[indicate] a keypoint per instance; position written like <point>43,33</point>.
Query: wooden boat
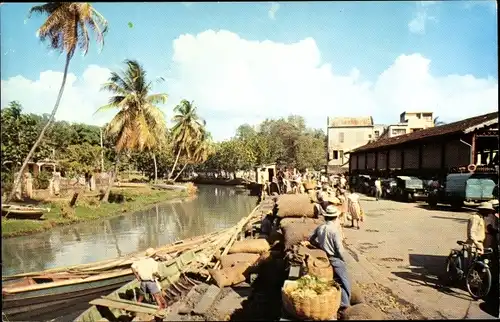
<point>119,304</point>
<point>41,294</point>
<point>22,212</point>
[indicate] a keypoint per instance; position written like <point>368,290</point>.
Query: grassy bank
<point>89,208</point>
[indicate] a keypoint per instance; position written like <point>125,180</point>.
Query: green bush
<point>42,181</point>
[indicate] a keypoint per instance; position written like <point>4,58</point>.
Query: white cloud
<point>273,10</point>
<point>420,17</point>
<point>235,81</point>
<point>80,99</point>
<point>187,4</point>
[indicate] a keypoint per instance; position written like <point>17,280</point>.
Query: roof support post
<point>402,158</point>
<point>366,160</point>
<point>376,161</point>
<point>420,156</point>
<point>473,149</point>
<point>443,156</point>
<point>387,154</point>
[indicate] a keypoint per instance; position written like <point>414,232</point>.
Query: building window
<point>341,137</point>
<point>419,116</point>
<point>415,130</point>
<point>369,136</point>
<point>377,134</point>
<point>341,154</point>
<point>335,155</point>
<point>398,131</point>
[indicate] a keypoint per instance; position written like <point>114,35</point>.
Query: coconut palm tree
<point>65,28</point>
<point>139,123</point>
<point>188,128</point>
<point>437,122</point>
<point>198,152</point>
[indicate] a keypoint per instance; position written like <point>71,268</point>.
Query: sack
<point>254,246</point>
<point>363,311</point>
<point>295,206</point>
<point>319,307</point>
<point>320,267</point>
<point>295,232</point>
<point>238,258</point>
<point>356,294</point>
<point>230,275</point>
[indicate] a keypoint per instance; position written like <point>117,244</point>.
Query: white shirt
<point>146,268</point>
<point>353,197</point>
<point>378,184</point>
<point>342,181</point>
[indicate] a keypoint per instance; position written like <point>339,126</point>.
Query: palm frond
<point>157,98</point>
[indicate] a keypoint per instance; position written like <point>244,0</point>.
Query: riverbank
<point>90,208</point>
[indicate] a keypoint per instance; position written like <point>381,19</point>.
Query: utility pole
<point>102,153</point>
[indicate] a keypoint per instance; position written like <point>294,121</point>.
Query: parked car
<point>462,187</point>
<point>408,188</point>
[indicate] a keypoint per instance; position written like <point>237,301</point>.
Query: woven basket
<point>319,308</point>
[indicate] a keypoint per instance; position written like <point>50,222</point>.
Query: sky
<point>243,62</point>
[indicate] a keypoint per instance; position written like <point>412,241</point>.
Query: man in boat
<point>328,237</point>
<point>146,271</point>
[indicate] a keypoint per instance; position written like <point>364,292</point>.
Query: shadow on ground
<point>429,271</point>
<point>460,220</point>
<point>441,207</point>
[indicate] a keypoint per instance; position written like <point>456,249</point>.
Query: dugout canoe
<point>22,212</point>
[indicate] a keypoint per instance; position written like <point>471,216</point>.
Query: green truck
<point>465,187</point>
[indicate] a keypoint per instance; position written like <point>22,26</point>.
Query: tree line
<point>139,125</point>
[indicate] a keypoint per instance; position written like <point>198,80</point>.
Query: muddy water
<point>216,207</point>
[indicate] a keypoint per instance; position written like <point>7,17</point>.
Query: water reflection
<point>216,207</point>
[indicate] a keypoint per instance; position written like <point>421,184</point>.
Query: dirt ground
<point>409,243</point>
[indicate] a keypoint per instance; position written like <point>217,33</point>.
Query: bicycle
<point>474,270</point>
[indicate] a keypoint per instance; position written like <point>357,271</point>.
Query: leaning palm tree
<point>187,129</point>
<point>66,28</point>
<point>139,123</point>
<point>198,152</point>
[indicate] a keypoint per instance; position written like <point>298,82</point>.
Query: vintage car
<point>408,188</point>
<point>465,187</point>
<point>364,184</point>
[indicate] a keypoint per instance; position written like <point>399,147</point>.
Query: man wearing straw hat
<point>328,238</point>
<point>476,228</point>
<point>146,271</point>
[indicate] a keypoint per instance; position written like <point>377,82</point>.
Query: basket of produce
<point>311,298</point>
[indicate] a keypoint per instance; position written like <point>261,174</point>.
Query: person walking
<point>354,209</point>
<point>146,272</point>
<point>378,189</point>
<point>328,238</point>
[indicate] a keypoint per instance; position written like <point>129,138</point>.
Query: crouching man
<point>146,271</point>
<point>327,237</point>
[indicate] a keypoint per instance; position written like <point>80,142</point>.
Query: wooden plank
<point>143,317</point>
<point>130,306</point>
<point>207,300</point>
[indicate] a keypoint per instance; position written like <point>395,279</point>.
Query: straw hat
<point>334,200</point>
<point>331,211</point>
<point>485,206</point>
<point>494,202</point>
<point>150,252</point>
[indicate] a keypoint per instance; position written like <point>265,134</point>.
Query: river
<point>214,208</point>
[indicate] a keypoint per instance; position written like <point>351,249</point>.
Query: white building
<point>410,122</point>
<point>345,134</point>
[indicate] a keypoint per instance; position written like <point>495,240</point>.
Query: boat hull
<point>22,214</point>
<point>44,304</point>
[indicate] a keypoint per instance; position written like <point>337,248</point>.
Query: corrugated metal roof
<point>460,126</point>
<point>350,121</point>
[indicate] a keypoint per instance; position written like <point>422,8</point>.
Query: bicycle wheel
<point>478,280</point>
<point>453,268</point>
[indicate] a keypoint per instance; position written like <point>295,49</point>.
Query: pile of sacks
<point>243,259</point>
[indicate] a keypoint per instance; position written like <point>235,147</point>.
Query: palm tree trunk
<point>40,137</point>
<point>184,167</point>
<point>175,164</point>
<point>156,168</point>
<point>111,179</point>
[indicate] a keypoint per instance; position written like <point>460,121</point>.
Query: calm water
<point>216,207</point>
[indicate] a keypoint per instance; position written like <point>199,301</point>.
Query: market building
<point>434,151</point>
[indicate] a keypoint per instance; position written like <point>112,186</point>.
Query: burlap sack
<point>234,259</point>
<point>229,276</point>
<point>320,267</point>
<point>295,206</point>
<point>356,294</point>
<point>254,246</point>
<point>363,311</point>
<point>287,221</point>
<point>296,232</point>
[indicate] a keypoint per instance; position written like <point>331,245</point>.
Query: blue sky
<point>243,62</point>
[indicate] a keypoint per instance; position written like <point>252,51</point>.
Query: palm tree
<point>139,123</point>
<point>198,152</point>
<point>437,122</point>
<point>65,28</point>
<point>187,129</point>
